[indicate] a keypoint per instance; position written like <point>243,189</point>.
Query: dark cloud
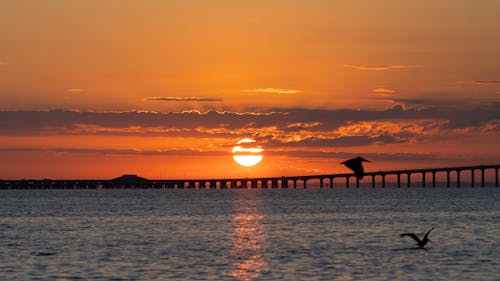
<point>346,155</point>
<point>288,153</point>
<point>343,141</point>
<point>458,111</point>
<point>32,122</point>
<point>185,152</point>
<point>481,82</point>
<point>292,126</point>
<point>183,99</point>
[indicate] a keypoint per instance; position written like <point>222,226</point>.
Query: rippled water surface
<point>314,234</point>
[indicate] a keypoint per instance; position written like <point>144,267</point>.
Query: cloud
<point>75,90</point>
<point>273,91</point>
<point>298,153</point>
<point>481,82</point>
<point>342,141</point>
<point>181,99</point>
<point>90,129</point>
<point>383,91</point>
<point>60,121</point>
<point>292,127</point>
<point>398,130</point>
<point>306,125</point>
<point>346,155</point>
<point>293,153</point>
<point>378,68</point>
<point>174,152</point>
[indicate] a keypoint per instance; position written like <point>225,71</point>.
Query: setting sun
<point>246,153</point>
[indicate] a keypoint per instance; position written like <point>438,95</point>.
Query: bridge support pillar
<point>423,179</point>
<point>373,181</point>
<point>305,183</point>
<point>294,183</point>
<point>383,181</point>
<point>284,182</point>
<point>331,182</point>
<point>347,182</point>
<point>263,183</point>
<point>254,184</point>
<point>458,178</point>
<point>433,179</point>
<point>321,183</point>
<point>399,180</point>
<point>496,177</point>
<point>357,182</point>
<point>408,182</point>
<point>482,177</point>
<point>448,179</point>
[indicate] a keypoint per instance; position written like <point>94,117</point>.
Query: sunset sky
<point>166,88</point>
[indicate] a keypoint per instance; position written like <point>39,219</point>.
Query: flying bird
<point>420,243</point>
<point>356,165</point>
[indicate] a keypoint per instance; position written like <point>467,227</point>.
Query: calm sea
<point>313,234</point>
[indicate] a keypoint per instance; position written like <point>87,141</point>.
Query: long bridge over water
<point>406,178</point>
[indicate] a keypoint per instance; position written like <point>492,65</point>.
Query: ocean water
<point>280,234</point>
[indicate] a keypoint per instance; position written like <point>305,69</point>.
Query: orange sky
<point>164,89</point>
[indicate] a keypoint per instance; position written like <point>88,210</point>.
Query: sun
<point>246,153</point>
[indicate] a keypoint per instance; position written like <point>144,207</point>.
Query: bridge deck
<point>129,181</point>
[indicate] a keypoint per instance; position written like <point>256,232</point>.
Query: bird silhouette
<point>356,165</point>
<point>420,243</point>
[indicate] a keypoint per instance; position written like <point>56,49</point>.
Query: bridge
<point>328,180</point>
<point>375,179</point>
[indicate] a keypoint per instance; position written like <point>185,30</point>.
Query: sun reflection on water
<point>248,239</point>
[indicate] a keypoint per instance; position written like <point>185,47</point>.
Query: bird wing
<point>412,235</point>
<point>428,232</point>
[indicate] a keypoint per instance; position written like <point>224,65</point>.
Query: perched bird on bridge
<point>356,165</point>
<point>420,243</point>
